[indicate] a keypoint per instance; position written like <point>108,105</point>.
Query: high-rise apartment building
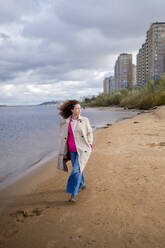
<point>139,78</point>
<point>133,75</point>
<point>151,56</point>
<point>109,85</point>
<point>112,84</point>
<point>123,71</point>
<point>106,85</point>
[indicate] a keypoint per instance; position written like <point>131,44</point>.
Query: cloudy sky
<point>62,49</point>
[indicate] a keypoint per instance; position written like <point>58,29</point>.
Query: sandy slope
<point>122,206</point>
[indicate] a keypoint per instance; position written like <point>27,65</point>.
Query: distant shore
<point>122,206</point>
<point>25,153</point>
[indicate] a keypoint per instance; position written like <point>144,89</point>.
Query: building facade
<point>123,71</point>
<point>109,85</point>
<point>133,75</point>
<point>151,56</point>
<point>106,85</point>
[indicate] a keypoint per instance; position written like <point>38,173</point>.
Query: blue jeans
<point>76,178</point>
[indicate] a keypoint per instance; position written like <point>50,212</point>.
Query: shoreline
<point>29,180</point>
<point>22,184</point>
<point>32,167</point>
<point>27,183</point>
<point>122,206</point>
<point>53,155</point>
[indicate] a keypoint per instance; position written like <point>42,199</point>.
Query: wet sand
<point>122,206</point>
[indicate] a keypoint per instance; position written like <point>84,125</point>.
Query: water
<point>29,136</point>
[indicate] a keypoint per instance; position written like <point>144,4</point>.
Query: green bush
<point>131,99</point>
<point>159,99</point>
<point>150,94</point>
<point>145,101</point>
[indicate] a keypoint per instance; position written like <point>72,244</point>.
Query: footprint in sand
<point>11,231</point>
<point>20,215</point>
<point>158,144</point>
<point>65,217</point>
<point>100,185</point>
<point>162,144</point>
<point>151,134</point>
<point>51,244</point>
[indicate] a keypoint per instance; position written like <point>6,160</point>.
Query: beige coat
<point>83,136</point>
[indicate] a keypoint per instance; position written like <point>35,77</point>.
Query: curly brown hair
<point>65,108</point>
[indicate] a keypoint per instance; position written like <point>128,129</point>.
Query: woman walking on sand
<point>76,145</point>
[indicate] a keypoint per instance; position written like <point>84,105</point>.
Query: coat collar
<point>68,119</point>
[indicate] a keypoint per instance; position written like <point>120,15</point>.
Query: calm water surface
<point>29,136</point>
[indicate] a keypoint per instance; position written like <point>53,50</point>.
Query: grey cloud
<point>115,19</point>
<point>13,10</point>
<point>4,36</point>
<point>59,42</point>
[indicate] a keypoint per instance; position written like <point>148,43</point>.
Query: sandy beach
<point>122,206</point>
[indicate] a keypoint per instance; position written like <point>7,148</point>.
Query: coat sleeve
<point>63,155</point>
<point>89,132</point>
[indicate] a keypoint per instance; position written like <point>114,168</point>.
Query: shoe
<point>82,188</point>
<point>72,198</point>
